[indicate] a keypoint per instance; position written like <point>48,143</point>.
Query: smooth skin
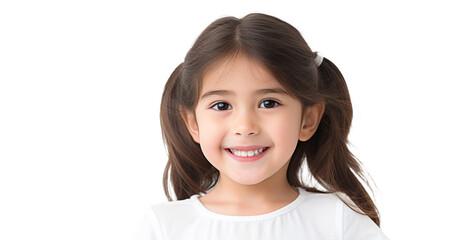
<point>241,104</point>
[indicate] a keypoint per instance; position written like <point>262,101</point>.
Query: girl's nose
<point>245,124</point>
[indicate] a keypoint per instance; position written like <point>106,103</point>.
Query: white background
<point>81,81</point>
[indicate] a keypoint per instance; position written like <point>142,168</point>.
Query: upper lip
<point>246,148</point>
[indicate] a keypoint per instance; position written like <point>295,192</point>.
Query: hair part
<point>281,48</point>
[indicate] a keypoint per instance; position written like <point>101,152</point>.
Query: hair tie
<point>319,59</point>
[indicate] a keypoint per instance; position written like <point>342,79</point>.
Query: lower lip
<point>247,159</point>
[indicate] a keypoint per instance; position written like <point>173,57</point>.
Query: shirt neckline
<point>292,205</point>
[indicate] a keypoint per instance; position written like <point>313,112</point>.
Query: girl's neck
<point>262,192</point>
<point>231,198</point>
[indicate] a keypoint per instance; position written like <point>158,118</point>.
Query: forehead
<point>237,71</point>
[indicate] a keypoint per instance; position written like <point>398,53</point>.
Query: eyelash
<point>215,106</point>
<point>228,106</point>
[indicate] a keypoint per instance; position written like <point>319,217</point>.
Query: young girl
<point>247,108</point>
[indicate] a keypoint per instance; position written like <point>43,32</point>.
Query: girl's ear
<point>191,123</point>
<point>311,120</point>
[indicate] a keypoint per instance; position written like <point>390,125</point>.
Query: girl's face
<point>246,123</point>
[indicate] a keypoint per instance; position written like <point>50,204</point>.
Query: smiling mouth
<point>247,153</point>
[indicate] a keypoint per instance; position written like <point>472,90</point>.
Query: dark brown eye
<point>268,103</point>
<point>220,106</point>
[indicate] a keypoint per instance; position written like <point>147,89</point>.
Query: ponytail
<point>187,169</point>
<point>328,158</point>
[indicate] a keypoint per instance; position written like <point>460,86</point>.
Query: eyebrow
<point>258,92</point>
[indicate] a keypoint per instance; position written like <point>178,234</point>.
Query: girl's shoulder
<point>174,208</point>
<point>337,210</point>
<point>321,198</point>
<point>330,203</point>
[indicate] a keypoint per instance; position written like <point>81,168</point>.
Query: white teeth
<point>241,153</point>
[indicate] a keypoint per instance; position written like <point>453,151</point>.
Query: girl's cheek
<point>285,129</point>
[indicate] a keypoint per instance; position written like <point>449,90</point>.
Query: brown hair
<point>282,49</point>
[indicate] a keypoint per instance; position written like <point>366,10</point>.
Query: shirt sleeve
<point>149,228</point>
<point>356,226</point>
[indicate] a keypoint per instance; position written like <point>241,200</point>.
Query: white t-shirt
<point>309,216</point>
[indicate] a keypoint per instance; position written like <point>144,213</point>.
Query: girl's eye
<point>268,103</point>
<point>220,106</point>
